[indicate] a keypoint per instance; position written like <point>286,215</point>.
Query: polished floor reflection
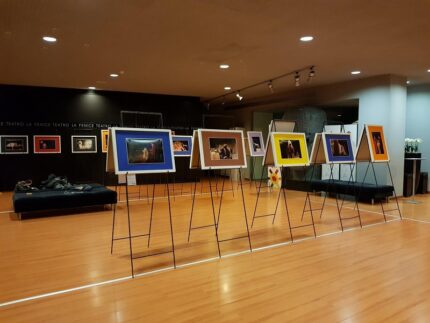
<point>357,275</point>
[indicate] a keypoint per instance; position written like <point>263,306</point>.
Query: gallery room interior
<point>212,161</point>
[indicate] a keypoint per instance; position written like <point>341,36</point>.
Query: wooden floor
<point>377,273</point>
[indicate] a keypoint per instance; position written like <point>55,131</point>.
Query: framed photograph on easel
<point>256,143</point>
<point>377,143</point>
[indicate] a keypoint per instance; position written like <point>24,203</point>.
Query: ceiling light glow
<point>355,72</point>
<point>224,66</point>
<point>227,88</point>
<point>91,88</point>
<point>306,38</point>
<point>114,75</point>
<point>49,39</point>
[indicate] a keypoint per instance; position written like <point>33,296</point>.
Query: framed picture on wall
<point>182,146</point>
<point>140,151</point>
<point>84,144</point>
<point>14,144</point>
<point>289,149</point>
<point>256,143</point>
<point>338,147</point>
<point>221,149</point>
<point>46,144</point>
<point>377,143</point>
<point>105,140</point>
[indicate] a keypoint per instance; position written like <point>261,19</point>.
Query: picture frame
<point>221,149</point>
<point>14,144</point>
<point>47,144</point>
<point>141,151</point>
<point>182,146</point>
<point>338,148</point>
<point>104,134</point>
<point>84,144</point>
<point>377,143</point>
<point>256,143</point>
<point>289,149</point>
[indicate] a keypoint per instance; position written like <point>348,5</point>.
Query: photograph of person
<point>339,147</point>
<point>256,144</point>
<point>180,145</point>
<point>377,143</point>
<point>141,151</point>
<point>222,148</point>
<point>290,149</point>
<point>82,144</point>
<point>47,144</point>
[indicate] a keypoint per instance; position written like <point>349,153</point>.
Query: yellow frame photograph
<point>289,149</point>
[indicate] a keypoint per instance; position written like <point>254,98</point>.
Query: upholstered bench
<point>45,200</point>
<point>365,191</point>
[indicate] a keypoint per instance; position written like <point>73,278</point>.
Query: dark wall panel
<point>66,112</point>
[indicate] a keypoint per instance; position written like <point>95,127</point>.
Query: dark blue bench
<point>365,191</point>
<point>45,200</point>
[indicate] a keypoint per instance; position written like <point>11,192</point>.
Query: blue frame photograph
<point>338,148</point>
<point>182,146</point>
<point>140,151</point>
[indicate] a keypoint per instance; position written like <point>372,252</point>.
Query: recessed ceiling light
<point>408,82</point>
<point>428,70</point>
<point>49,39</point>
<point>227,88</point>
<point>91,88</point>
<point>114,75</point>
<point>306,38</point>
<point>355,72</point>
<point>224,66</point>
<point>339,115</point>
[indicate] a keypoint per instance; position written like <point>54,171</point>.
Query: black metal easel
<point>130,236</point>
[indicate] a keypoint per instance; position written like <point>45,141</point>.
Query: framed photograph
<point>182,146</point>
<point>256,143</point>
<point>105,140</point>
<point>377,143</point>
<point>84,144</point>
<point>221,149</point>
<point>14,144</point>
<point>140,151</point>
<point>44,144</point>
<point>338,147</point>
<point>289,149</point>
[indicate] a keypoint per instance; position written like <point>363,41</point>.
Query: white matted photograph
<point>84,144</point>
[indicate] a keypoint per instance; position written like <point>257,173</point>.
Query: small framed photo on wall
<point>84,144</point>
<point>44,144</point>
<point>105,140</point>
<point>14,144</point>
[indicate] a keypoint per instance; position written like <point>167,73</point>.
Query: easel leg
<point>214,218</point>
<point>376,183</point>
<point>258,196</point>
<point>394,191</point>
<point>113,227</point>
<point>170,218</point>
<point>220,201</point>
<point>129,226</point>
<point>152,212</point>
<point>331,178</point>
<point>288,214</point>
<point>192,210</point>
<point>244,209</point>
<point>277,203</point>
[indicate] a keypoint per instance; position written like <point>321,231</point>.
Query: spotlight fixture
<point>114,75</point>
<point>227,88</point>
<point>355,72</point>
<point>49,39</point>
<point>306,38</point>
<point>270,86</point>
<point>311,74</point>
<point>91,88</point>
<point>224,66</point>
<point>408,82</point>
<point>238,96</point>
<point>297,79</point>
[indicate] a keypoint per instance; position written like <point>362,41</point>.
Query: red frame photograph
<point>44,144</point>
